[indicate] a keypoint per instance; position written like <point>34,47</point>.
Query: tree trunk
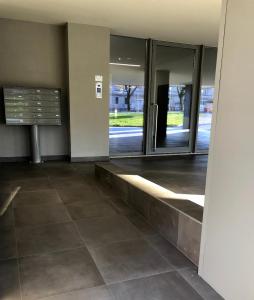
<point>128,102</point>
<point>129,93</point>
<point>181,102</point>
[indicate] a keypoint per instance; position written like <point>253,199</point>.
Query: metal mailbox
<point>30,106</point>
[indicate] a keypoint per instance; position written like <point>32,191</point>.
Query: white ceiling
<point>187,21</point>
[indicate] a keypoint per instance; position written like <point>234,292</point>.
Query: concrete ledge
<point>174,216</point>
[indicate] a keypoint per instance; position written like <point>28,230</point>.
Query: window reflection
<point>206,98</point>
<point>126,105</point>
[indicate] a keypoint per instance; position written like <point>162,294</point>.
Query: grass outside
<point>133,119</point>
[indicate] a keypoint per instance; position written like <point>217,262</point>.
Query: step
<point>176,217</point>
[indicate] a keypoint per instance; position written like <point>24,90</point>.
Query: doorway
<point>172,97</point>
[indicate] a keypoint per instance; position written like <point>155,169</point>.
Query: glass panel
<point>126,107</point>
<point>206,98</point>
<point>173,95</point>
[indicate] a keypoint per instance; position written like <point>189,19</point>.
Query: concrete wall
<point>226,260</point>
<point>33,55</point>
<point>88,55</point>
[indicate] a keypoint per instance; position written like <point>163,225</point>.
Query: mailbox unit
<point>29,106</point>
<point>32,106</point>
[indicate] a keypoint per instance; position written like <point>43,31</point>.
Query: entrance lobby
<point>126,164</point>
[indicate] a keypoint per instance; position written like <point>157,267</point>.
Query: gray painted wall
<point>33,55</point>
<point>88,55</point>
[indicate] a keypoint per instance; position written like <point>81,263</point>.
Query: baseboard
<point>28,158</point>
<point>14,159</point>
<point>90,159</point>
<point>55,158</point>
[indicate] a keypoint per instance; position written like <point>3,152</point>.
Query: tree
<point>129,89</point>
<point>181,94</point>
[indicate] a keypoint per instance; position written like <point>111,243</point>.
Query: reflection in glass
<point>206,98</point>
<point>126,106</point>
<point>173,88</point>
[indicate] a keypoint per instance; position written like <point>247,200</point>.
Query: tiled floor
<point>67,238</point>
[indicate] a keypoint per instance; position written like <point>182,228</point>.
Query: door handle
<point>155,120</point>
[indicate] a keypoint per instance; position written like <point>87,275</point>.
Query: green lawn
<point>133,119</point>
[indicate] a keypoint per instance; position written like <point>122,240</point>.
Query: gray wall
<point>33,55</point>
<point>88,55</point>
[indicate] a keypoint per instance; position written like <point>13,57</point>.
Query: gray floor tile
<point>169,252</point>
<point>7,187</point>
<point>91,181</point>
<point>7,220</point>
<point>120,206</point>
<point>100,231</point>
<point>86,194</point>
<point>49,165</point>
<point>97,293</point>
<point>106,190</point>
<point>37,197</point>
<point>48,238</point>
<point>62,171</point>
<point>80,209</point>
<point>202,288</point>
<point>168,286</point>
<point>128,260</point>
<point>68,182</point>
<point>7,243</point>
<point>141,224</point>
<point>40,214</point>
<point>50,274</point>
<point>5,194</point>
<point>9,282</point>
<point>33,184</point>
<point>84,168</point>
<point>21,172</point>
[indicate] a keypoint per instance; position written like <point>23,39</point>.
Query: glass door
<point>172,98</point>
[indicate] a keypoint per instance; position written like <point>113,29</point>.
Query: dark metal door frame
<point>151,105</point>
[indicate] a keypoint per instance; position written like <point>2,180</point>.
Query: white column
<point>227,250</point>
